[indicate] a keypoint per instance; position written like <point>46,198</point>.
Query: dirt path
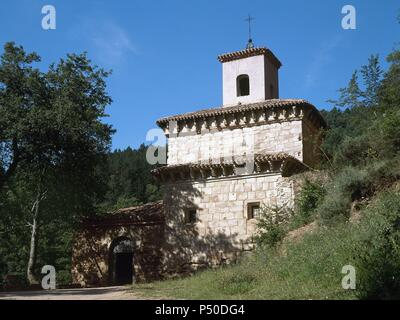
<point>105,293</point>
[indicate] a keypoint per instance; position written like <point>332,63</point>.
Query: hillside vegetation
<point>352,201</point>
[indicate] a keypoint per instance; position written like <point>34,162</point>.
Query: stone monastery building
<point>223,165</point>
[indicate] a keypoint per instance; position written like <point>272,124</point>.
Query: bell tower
<point>249,75</point>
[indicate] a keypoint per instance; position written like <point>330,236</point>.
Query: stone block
<point>232,196</point>
<point>242,196</point>
<point>251,195</point>
<point>260,195</point>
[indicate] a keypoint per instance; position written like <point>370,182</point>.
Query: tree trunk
<point>34,239</point>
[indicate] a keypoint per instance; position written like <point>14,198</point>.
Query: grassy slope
<point>311,269</point>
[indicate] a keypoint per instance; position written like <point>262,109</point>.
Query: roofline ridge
<point>235,108</point>
<point>249,52</point>
<point>184,171</point>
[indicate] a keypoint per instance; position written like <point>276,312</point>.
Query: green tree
<point>371,74</point>
<point>350,96</point>
<point>361,109</point>
<point>129,179</point>
<point>52,138</point>
<point>21,88</point>
<point>389,94</point>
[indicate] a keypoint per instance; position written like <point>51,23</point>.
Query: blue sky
<point>163,53</point>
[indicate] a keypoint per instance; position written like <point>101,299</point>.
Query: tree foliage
<point>52,141</point>
<point>129,179</point>
<point>55,160</point>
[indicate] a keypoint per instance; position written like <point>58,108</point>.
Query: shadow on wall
<point>191,246</point>
<point>163,243</point>
<point>99,259</point>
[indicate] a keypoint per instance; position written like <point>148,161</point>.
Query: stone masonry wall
<point>269,138</point>
<point>91,259</point>
<point>223,229</point>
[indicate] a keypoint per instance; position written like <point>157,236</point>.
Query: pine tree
<point>371,74</point>
<point>350,96</point>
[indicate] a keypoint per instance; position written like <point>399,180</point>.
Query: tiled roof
<point>287,165</point>
<point>147,214</point>
<point>250,53</point>
<point>227,161</point>
<point>271,103</point>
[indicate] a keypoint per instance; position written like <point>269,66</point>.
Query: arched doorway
<point>121,261</point>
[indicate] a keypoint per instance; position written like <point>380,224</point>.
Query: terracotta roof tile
<point>292,164</point>
<point>146,214</point>
<point>250,53</point>
<point>271,103</point>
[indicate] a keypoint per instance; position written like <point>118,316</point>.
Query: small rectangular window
<point>253,210</point>
<point>191,215</point>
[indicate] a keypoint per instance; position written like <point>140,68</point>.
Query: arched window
<point>243,85</point>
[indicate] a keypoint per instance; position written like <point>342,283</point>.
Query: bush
<point>388,134</point>
<point>355,151</point>
<point>63,278</point>
<point>352,181</point>
<point>334,209</point>
<point>348,185</point>
<point>15,281</point>
<point>310,196</point>
<point>272,225</point>
<point>378,258</point>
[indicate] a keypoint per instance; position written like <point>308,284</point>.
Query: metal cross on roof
<point>250,42</point>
